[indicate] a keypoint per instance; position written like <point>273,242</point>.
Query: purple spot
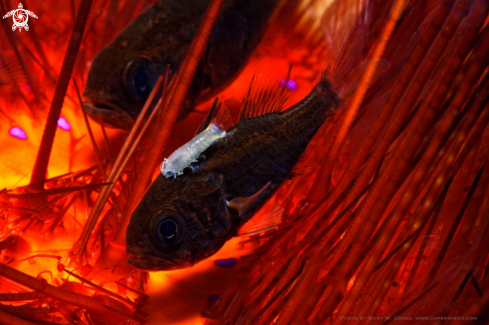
<point>291,84</point>
<point>226,262</point>
<point>63,124</point>
<point>213,298</point>
<point>27,87</point>
<point>18,133</point>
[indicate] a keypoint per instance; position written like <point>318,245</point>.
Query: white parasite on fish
<point>174,165</point>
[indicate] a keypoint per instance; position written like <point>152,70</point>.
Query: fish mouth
<point>151,263</point>
<point>111,115</point>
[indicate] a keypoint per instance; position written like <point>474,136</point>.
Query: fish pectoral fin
<point>244,204</point>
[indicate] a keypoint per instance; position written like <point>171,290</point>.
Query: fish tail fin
<point>345,58</point>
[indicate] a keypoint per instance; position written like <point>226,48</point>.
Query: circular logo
<point>20,17</point>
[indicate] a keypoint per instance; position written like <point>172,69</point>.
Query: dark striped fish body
<point>184,220</point>
<point>123,74</point>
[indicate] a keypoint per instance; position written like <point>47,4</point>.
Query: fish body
<point>123,74</point>
<point>184,220</point>
<point>188,153</point>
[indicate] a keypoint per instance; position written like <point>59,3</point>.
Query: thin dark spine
<point>42,159</point>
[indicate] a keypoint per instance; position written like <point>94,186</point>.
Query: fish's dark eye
<point>142,79</point>
<point>139,78</point>
<point>167,229</point>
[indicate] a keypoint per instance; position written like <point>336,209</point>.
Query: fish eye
<point>142,79</point>
<point>139,78</point>
<point>167,229</point>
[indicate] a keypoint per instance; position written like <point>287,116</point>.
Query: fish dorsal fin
<point>266,95</point>
<point>218,114</point>
<point>245,204</point>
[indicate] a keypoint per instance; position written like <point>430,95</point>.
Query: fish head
<point>118,85</point>
<point>176,224</point>
<point>123,74</point>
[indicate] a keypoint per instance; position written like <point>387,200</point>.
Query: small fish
<point>174,165</point>
<point>123,74</point>
<point>184,220</point>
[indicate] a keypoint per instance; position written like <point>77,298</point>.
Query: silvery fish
<point>123,74</point>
